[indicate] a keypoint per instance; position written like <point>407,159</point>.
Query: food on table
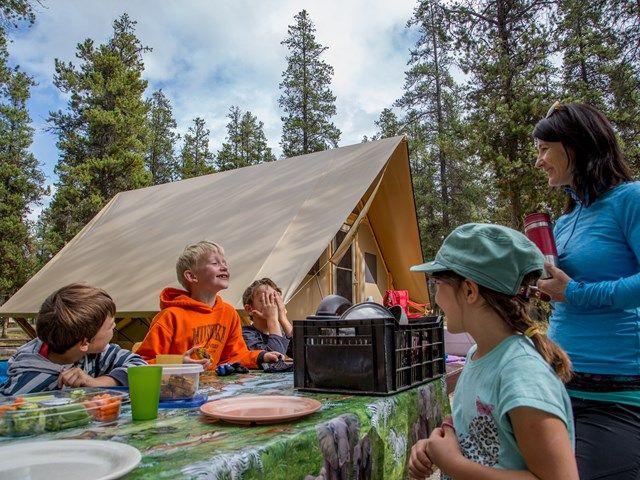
<point>180,382</point>
<point>38,398</point>
<point>58,410</point>
<point>4,424</point>
<point>26,419</point>
<point>177,386</point>
<point>66,416</point>
<point>11,406</point>
<point>77,393</point>
<point>201,353</point>
<point>104,407</point>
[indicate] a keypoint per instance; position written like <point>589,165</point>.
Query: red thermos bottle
<point>537,228</point>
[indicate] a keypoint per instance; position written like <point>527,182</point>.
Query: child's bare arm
<point>443,450</point>
<point>542,438</point>
<point>544,442</point>
<point>76,377</point>
<point>420,465</point>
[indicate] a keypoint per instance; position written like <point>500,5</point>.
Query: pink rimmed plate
<point>254,409</point>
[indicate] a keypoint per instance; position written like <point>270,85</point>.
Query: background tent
<point>284,219</point>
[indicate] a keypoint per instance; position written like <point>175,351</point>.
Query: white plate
<point>67,459</point>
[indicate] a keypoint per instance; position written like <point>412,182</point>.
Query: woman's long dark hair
<point>594,154</point>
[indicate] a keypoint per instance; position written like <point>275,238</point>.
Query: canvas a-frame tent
<point>338,221</point>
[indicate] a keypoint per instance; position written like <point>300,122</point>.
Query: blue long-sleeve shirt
<point>599,248</point>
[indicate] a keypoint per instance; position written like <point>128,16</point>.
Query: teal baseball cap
<point>493,256</point>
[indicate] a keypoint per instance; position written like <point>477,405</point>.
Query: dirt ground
<point>15,338</point>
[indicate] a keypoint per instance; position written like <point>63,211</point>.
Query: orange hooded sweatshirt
<point>184,323</point>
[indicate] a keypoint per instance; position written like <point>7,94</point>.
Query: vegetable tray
<point>58,410</point>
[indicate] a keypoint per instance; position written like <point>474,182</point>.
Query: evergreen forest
<point>480,75</point>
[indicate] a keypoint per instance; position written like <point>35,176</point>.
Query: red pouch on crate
<point>401,297</point>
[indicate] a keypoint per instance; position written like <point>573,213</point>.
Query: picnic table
<point>351,436</point>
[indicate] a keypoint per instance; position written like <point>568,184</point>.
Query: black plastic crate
<point>369,357</point>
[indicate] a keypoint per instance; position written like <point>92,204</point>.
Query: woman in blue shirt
<point>596,286</point>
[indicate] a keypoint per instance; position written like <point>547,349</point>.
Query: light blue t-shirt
<point>511,375</point>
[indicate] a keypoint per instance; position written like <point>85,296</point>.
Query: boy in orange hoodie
<point>198,318</point>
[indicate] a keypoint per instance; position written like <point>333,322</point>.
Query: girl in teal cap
<point>511,415</point>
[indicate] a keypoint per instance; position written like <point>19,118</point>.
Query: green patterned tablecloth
<point>352,436</point>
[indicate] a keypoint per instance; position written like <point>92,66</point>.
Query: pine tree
<point>307,99</point>
<point>431,97</point>
<point>388,125</point>
<point>625,111</point>
<point>588,47</point>
<point>599,66</point>
<point>444,182</point>
<point>504,49</point>
<point>21,180</point>
<point>101,136</point>
<point>625,17</point>
<point>195,157</point>
<point>625,77</point>
<point>246,143</point>
<point>160,157</point>
<point>253,141</point>
<point>14,12</point>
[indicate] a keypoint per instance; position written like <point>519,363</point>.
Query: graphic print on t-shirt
<point>481,443</point>
<point>210,336</point>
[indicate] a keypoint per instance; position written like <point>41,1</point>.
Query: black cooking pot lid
<point>332,306</point>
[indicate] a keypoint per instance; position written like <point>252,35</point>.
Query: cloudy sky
<point>211,54</point>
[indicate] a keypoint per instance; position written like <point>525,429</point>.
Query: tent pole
<point>346,242</point>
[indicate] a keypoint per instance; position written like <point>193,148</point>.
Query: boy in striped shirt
<point>74,326</point>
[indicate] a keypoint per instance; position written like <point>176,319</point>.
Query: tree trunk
<point>512,140</point>
<point>444,186</point>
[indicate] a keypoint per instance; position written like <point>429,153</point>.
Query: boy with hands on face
<point>271,329</point>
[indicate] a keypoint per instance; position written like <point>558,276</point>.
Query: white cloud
<point>209,55</point>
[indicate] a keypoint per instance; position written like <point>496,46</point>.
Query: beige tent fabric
<point>273,219</point>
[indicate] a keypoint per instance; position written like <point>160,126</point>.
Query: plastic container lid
<point>185,368</point>
<point>196,401</point>
<point>179,381</point>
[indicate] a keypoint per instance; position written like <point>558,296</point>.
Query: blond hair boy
<point>196,322</point>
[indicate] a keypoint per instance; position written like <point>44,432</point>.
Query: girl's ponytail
<point>515,312</point>
<point>553,354</point>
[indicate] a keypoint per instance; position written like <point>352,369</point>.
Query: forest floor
<point>14,339</point>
